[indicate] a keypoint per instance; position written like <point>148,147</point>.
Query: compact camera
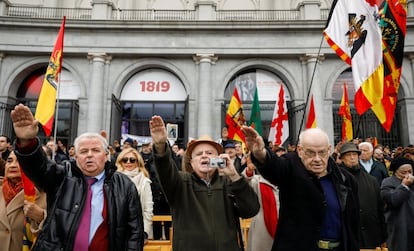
<point>217,163</point>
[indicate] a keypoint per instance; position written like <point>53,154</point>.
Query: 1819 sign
<point>152,86</point>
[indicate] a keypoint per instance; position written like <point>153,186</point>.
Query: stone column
<point>205,117</point>
<point>323,110</point>
<point>310,10</point>
<point>411,58</point>
<point>410,8</point>
<point>407,121</point>
<point>206,10</point>
<point>4,5</point>
<point>107,99</point>
<point>2,55</point>
<point>4,98</point>
<point>102,9</point>
<point>96,92</point>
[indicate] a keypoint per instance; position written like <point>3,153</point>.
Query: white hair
<point>91,135</point>
<point>367,144</point>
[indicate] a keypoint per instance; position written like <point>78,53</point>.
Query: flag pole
<point>310,88</point>
<point>56,117</point>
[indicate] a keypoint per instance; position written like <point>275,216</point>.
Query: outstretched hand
<point>25,125</point>
<point>158,133</point>
<point>254,143</point>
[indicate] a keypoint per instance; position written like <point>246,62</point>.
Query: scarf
<point>131,173</point>
<point>269,208</point>
<point>10,190</point>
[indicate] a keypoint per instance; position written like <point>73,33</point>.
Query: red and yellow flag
<point>354,34</point>
<point>45,109</point>
<point>345,113</point>
<point>29,195</point>
<point>393,24</point>
<point>235,118</point>
<point>311,121</point>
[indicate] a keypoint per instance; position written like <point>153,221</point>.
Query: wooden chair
<point>244,226</point>
<point>164,244</point>
<point>152,248</point>
<point>375,249</point>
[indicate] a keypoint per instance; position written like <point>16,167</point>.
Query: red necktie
<point>82,236</point>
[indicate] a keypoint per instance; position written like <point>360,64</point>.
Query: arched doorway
<point>268,85</point>
<point>153,92</point>
<point>67,111</point>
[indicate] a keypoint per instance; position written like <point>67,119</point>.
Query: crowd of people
<point>308,196</point>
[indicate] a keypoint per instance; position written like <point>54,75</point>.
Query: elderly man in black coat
<point>371,214</point>
<point>319,208</point>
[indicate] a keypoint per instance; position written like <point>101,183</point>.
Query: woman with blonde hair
<point>131,163</point>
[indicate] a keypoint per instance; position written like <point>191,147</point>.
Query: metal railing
<point>49,13</point>
<point>258,15</point>
<point>157,15</point>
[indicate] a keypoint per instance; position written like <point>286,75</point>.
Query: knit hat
<point>349,147</point>
<point>398,162</point>
<point>229,145</point>
<point>203,139</point>
<point>130,141</point>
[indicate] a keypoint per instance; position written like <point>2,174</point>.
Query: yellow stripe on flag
<point>45,109</point>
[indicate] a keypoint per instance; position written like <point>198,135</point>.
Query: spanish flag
<point>29,195</point>
<point>235,118</point>
<point>354,33</point>
<point>345,113</point>
<point>311,121</point>
<point>45,109</point>
<point>393,25</point>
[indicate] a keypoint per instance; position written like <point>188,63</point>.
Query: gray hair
<point>369,145</point>
<point>91,135</point>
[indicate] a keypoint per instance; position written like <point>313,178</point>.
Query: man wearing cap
<point>230,149</point>
<point>128,142</point>
<point>319,206</point>
<point>207,203</point>
<point>397,192</point>
<point>371,215</point>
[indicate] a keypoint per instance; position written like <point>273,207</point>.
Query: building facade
<point>124,61</point>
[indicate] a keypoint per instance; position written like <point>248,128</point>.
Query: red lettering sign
<point>152,86</point>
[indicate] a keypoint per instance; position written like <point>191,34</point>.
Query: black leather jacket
<point>66,191</point>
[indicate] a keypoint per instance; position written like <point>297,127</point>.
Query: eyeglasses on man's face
<point>312,154</point>
<point>131,160</point>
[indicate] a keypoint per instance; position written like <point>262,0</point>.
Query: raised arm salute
<point>71,188</point>
<point>205,206</point>
<point>319,207</point>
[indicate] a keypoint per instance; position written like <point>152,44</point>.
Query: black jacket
<point>373,228</point>
<point>303,205</point>
<point>378,170</point>
<point>66,191</point>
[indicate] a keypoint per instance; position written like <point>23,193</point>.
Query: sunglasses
<point>131,160</point>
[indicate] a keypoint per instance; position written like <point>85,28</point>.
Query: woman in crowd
<point>14,208</point>
<point>397,192</point>
<point>263,225</point>
<point>130,163</point>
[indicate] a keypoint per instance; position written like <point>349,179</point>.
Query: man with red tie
<point>90,206</point>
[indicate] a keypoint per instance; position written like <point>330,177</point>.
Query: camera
<point>217,163</point>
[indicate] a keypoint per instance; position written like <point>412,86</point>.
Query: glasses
<point>131,160</point>
<point>312,154</point>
